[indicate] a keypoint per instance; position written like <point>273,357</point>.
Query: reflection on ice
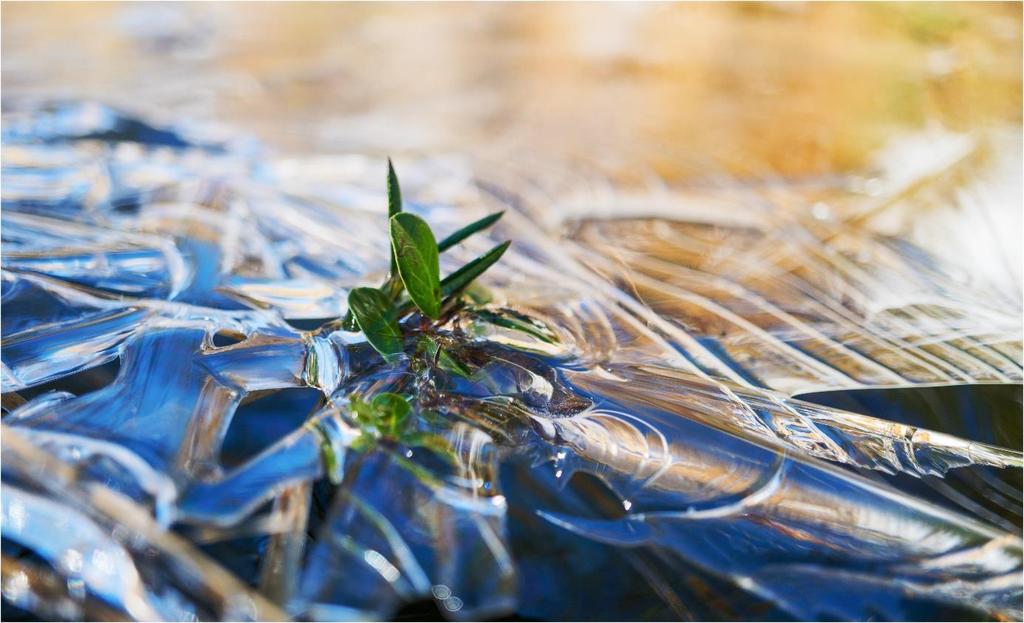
<point>620,413</point>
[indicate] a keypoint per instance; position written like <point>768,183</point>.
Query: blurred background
<point>786,89</point>
<point>635,95</point>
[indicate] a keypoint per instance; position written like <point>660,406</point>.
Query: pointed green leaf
<point>511,319</point>
<point>394,205</point>
<point>394,192</point>
<point>416,252</point>
<point>452,365</point>
<point>374,315</point>
<point>462,277</point>
<point>468,231</point>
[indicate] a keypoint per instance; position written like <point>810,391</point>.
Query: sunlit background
<point>637,95</point>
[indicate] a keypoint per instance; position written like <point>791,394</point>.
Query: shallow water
<point>177,425</point>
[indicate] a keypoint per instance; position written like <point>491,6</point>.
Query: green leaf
<point>394,192</point>
<point>511,319</point>
<point>468,231</point>
<point>428,346</point>
<point>416,252</point>
<point>461,278</point>
<point>442,358</point>
<point>394,206</point>
<point>365,414</point>
<point>452,365</point>
<point>392,410</point>
<point>375,316</point>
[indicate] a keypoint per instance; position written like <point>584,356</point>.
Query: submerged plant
<point>414,281</point>
<point>386,418</point>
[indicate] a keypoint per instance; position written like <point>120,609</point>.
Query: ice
<point>638,417</point>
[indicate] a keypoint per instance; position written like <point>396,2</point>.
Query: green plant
<point>415,272</point>
<point>387,418</point>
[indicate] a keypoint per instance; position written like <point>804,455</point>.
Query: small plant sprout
<point>415,271</point>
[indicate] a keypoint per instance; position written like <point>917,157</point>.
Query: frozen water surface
<point>673,405</point>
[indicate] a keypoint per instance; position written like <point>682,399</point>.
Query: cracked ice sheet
<point>680,347</point>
